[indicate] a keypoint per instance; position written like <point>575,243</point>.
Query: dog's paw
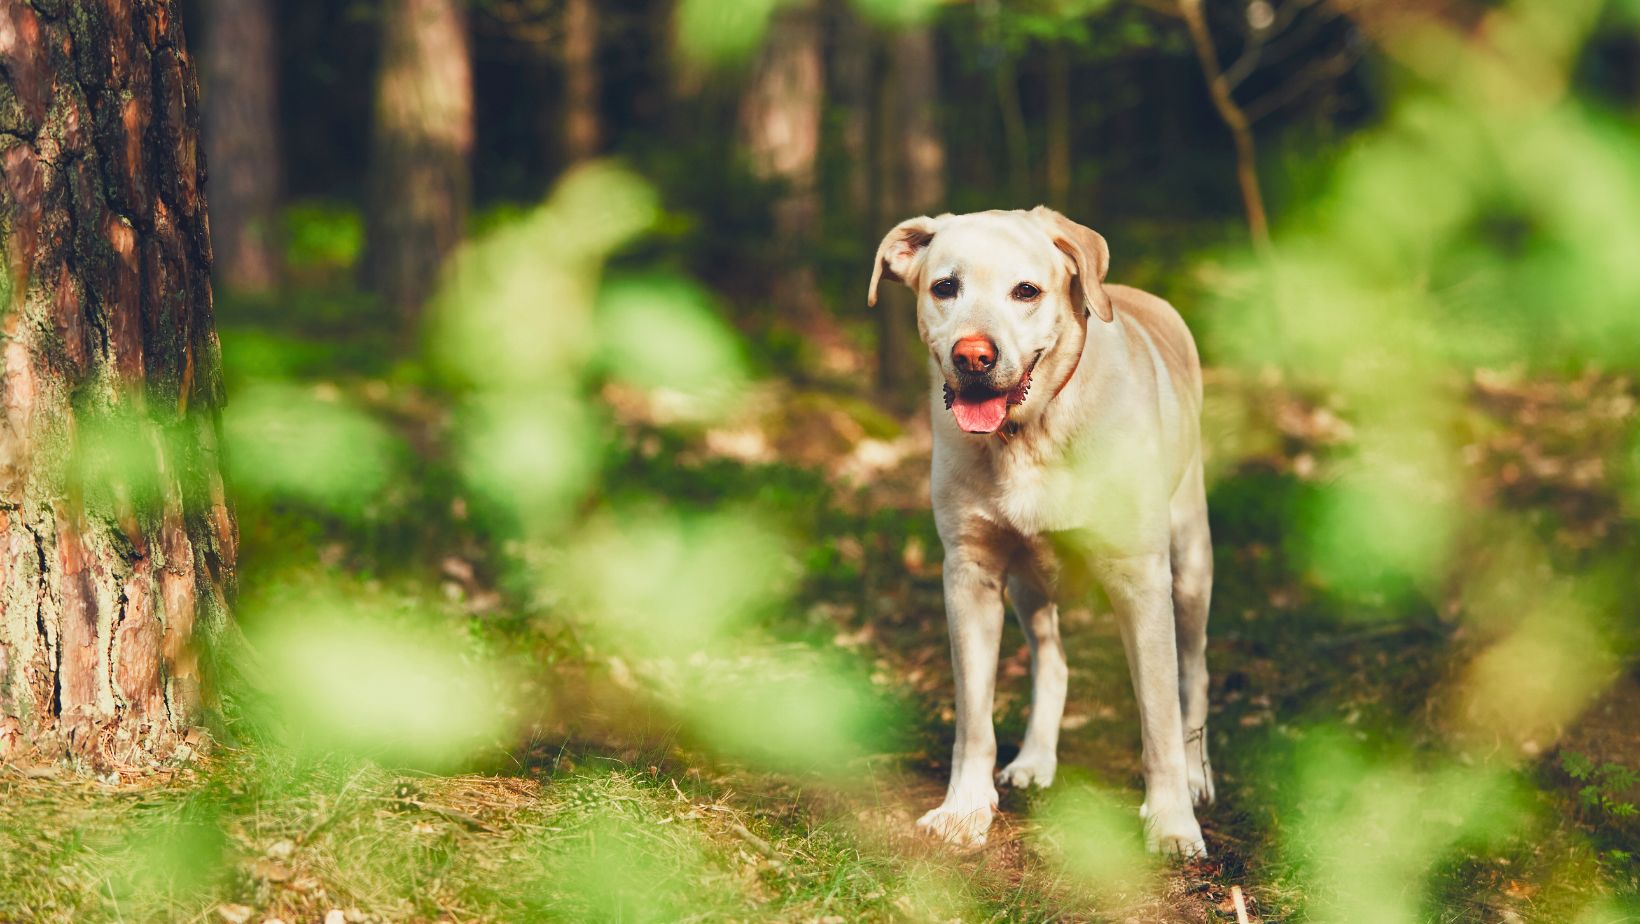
<point>1173,834</point>
<point>1028,770</point>
<point>960,824</point>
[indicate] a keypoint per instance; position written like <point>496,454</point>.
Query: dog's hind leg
<point>1192,554</point>
<point>1039,618</point>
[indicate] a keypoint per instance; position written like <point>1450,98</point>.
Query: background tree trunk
<point>915,159</point>
<point>118,546</point>
<point>852,72</point>
<point>1058,172</point>
<point>242,143</point>
<point>422,151</point>
<point>917,95</point>
<point>583,130</point>
<point>780,115</point>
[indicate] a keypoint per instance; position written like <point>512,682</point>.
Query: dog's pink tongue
<point>980,416</point>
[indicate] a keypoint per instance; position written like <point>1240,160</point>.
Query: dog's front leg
<point>973,612</point>
<point>1141,591</point>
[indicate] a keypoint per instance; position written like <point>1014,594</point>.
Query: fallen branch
<point>1241,905</point>
<point>758,844</point>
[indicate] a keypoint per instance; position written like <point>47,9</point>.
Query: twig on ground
<point>758,844</point>
<point>450,814</point>
<point>1241,905</point>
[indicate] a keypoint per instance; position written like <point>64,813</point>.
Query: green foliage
<point>663,333</point>
<point>717,31</point>
<point>1604,788</point>
<point>311,444</point>
<point>322,235</point>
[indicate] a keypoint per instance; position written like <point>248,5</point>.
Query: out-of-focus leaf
<point>348,680</point>
<point>661,333</point>
<point>1095,841</point>
<point>665,586</point>
<point>899,12</point>
<point>1368,833</point>
<point>530,453</point>
<point>722,31</point>
<point>315,446</point>
<point>793,712</point>
<point>323,234</point>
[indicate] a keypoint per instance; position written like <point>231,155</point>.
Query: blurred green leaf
<point>320,233</point>
<point>665,333</point>
<point>899,12</point>
<point>1096,842</point>
<point>391,687</point>
<point>530,453</point>
<point>722,31</point>
<point>661,585</point>
<point>309,444</point>
<point>1368,832</point>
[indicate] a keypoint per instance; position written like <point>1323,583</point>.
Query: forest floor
<point>611,811</point>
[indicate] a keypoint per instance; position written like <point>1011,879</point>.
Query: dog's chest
<point>1090,491</point>
<point>1036,495</point>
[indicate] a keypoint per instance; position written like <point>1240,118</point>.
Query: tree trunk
<point>583,131</point>
<point>916,158</point>
<point>1014,130</point>
<point>852,77</point>
<point>780,116</point>
<point>118,545</point>
<point>422,151</point>
<point>242,143</point>
<point>1059,128</point>
<point>922,149</point>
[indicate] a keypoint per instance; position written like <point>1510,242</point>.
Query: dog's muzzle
<point>979,408</point>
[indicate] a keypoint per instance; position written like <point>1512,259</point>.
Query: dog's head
<point>996,292</point>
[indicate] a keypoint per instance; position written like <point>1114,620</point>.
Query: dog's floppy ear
<point>900,252</point>
<point>1089,254</point>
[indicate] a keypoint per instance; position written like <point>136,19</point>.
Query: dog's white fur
<point>1104,456</point>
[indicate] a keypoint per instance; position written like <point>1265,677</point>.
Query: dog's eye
<point>945,288</point>
<point>1026,292</point>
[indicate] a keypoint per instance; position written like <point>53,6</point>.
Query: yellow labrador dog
<point>1066,416</point>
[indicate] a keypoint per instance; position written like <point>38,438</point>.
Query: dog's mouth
<point>979,409</point>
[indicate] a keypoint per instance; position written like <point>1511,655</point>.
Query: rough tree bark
<point>914,185</point>
<point>421,152</point>
<point>583,128</point>
<point>117,546</point>
<point>242,143</point>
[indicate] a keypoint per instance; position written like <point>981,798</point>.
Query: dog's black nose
<point>974,354</point>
